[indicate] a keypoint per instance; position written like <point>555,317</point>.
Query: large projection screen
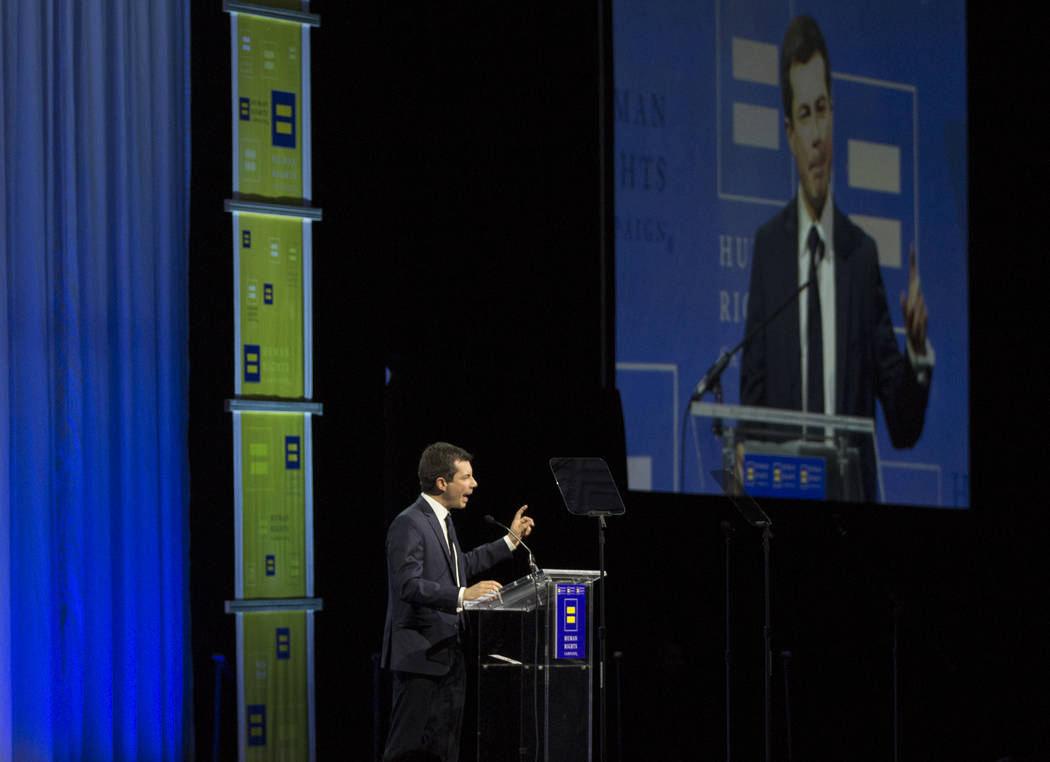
<point>702,161</point>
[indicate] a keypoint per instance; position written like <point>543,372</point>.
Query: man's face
<point>455,493</point>
<point>808,130</point>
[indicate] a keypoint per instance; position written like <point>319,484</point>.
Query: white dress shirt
<point>826,281</point>
<point>442,512</point>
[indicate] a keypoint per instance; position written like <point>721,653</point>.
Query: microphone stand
<point>532,559</point>
<point>713,378</point>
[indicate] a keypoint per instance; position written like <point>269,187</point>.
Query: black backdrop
<point>456,159</point>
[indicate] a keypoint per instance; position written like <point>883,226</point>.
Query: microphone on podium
<point>532,559</point>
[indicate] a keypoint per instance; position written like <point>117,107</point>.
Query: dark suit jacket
<point>869,362</point>
<point>421,618</point>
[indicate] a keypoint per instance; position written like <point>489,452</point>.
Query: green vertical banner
<point>269,104</point>
<point>276,697</point>
<point>273,336</point>
<point>274,452</point>
<point>270,259</point>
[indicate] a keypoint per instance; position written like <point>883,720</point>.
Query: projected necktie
<point>452,545</point>
<point>814,331</point>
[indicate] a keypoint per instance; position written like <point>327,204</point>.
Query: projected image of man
<point>834,351</point>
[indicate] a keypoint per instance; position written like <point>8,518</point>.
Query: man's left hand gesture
<point>522,525</point>
<point>914,307</point>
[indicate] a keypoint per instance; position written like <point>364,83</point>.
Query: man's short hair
<point>801,41</point>
<point>439,459</point>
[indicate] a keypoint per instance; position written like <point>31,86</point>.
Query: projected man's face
<point>808,130</point>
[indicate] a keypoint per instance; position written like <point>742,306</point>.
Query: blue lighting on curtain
<point>94,547</point>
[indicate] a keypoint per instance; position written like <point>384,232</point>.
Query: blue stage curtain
<point>94,546</point>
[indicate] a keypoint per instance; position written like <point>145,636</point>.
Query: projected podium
<point>535,668</point>
<point>791,454</point>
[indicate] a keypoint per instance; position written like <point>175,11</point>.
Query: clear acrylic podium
<point>536,667</point>
<point>788,453</point>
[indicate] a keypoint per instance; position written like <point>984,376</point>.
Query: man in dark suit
<point>833,350</point>
<point>428,575</point>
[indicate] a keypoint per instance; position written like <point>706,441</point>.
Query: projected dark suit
<point>868,361</point>
<point>422,632</point>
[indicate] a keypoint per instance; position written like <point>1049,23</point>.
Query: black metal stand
<point>756,517</point>
<point>618,658</point>
<point>785,660</point>
<point>767,537</point>
<point>861,558</point>
<point>896,682</point>
<point>727,533</point>
<point>588,489</point>
<point>602,714</point>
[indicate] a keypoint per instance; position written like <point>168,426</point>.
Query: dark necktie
<point>814,331</point>
<point>452,545</point>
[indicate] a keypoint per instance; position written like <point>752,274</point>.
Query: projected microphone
<point>532,559</point>
<point>713,377</point>
<point>714,373</point>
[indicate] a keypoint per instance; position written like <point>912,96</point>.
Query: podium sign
<point>570,631</point>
